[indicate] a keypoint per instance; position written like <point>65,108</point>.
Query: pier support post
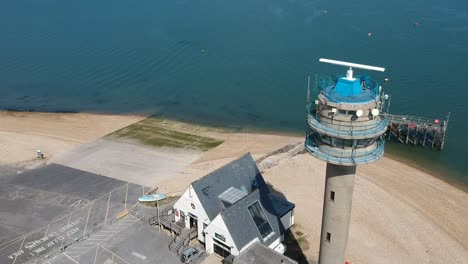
<point>407,133</point>
<point>425,134</point>
<point>416,136</point>
<point>337,202</point>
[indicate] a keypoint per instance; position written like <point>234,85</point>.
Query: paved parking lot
<point>44,209</point>
<point>136,242</point>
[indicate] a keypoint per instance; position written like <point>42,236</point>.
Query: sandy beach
<point>22,133</point>
<point>400,214</point>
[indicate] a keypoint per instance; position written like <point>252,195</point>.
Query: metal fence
<point>54,238</point>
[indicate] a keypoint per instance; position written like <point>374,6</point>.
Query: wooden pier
<point>417,131</point>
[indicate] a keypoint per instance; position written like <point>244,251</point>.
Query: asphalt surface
<point>43,209</point>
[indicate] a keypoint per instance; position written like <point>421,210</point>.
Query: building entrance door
<point>221,249</point>
<point>193,222</point>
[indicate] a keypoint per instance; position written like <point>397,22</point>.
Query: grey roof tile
<point>241,225</point>
<point>260,254</point>
<point>242,174</point>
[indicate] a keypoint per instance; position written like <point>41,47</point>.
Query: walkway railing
<point>345,158</point>
<point>347,130</point>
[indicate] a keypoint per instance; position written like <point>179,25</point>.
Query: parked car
<point>190,255</point>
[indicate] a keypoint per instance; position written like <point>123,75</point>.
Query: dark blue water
<point>236,63</point>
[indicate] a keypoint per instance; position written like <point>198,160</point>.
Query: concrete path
<point>128,161</point>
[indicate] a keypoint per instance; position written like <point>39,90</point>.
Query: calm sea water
<point>237,63</point>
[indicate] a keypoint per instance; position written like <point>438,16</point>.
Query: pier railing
<point>417,130</point>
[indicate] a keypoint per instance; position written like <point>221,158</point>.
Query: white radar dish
<point>351,65</point>
<point>359,113</point>
<point>375,112</point>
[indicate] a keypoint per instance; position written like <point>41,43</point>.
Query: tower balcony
<point>347,129</point>
<point>344,156</point>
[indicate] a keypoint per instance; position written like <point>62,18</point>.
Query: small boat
<point>152,197</point>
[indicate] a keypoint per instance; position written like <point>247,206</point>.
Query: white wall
<point>218,226</point>
<point>276,242</point>
<point>184,203</point>
<point>288,219</point>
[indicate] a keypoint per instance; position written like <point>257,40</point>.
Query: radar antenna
<point>349,73</point>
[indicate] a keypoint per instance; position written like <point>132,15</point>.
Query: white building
<point>232,208</point>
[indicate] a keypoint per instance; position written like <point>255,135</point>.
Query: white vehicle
<point>190,255</point>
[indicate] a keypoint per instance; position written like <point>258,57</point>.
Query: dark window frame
<point>261,221</point>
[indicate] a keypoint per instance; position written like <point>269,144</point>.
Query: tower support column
<point>337,203</point>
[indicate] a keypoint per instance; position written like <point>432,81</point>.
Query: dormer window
<point>231,196</point>
<point>258,215</point>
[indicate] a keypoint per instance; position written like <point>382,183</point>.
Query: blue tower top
<point>358,90</point>
<point>346,87</point>
<point>350,89</point>
<point>345,127</point>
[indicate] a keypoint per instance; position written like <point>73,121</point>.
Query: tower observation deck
<point>345,129</point>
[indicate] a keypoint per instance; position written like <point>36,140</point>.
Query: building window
<point>328,237</point>
<point>220,237</point>
<point>332,196</point>
<point>342,112</point>
<point>258,215</point>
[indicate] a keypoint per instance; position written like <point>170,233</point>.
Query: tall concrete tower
<point>345,129</point>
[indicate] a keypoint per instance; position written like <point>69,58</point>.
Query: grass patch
<point>158,132</point>
<point>299,233</point>
<point>303,243</point>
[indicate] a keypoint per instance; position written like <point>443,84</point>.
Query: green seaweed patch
<point>155,132</point>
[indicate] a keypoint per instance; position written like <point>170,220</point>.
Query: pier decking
<point>413,130</point>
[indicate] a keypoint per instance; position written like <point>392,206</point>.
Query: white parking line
<point>138,255</point>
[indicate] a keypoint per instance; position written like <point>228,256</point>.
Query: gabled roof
<point>232,195</point>
<point>242,174</point>
<point>260,254</point>
<point>241,225</point>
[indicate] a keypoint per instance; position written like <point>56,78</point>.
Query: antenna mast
<point>349,73</point>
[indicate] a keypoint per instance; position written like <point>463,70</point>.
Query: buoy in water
<point>386,79</point>
<point>369,34</point>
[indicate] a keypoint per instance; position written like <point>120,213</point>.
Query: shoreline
<point>450,178</point>
<point>390,196</point>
